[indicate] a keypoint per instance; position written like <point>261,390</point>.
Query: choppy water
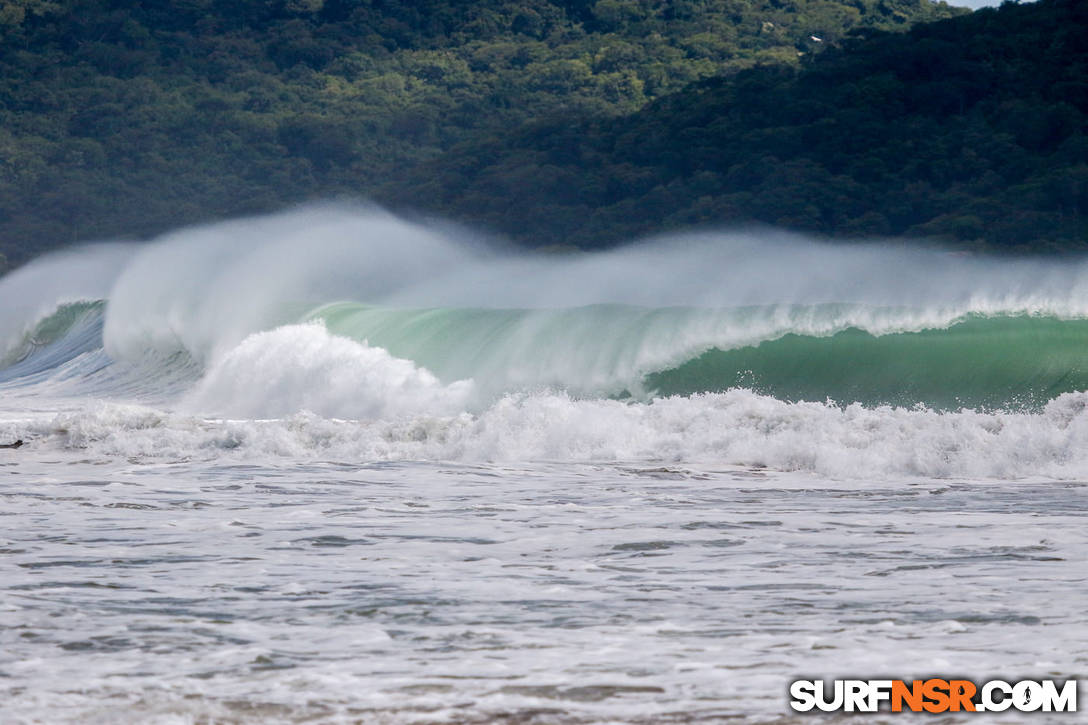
<point>333,467</point>
<point>425,592</point>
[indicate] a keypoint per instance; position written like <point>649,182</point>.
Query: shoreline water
<point>451,592</point>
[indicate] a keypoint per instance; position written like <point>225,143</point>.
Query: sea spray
<point>36,291</point>
<point>206,289</point>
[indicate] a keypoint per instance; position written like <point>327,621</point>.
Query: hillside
<point>128,118</point>
<point>974,129</point>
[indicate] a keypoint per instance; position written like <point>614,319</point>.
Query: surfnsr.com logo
<point>933,695</point>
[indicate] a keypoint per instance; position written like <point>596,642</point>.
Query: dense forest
<point>126,118</point>
<point>972,129</point>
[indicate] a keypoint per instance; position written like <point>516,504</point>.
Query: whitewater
<point>334,465</point>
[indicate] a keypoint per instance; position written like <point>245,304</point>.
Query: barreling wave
<point>460,348</point>
<point>1004,362</point>
<point>72,328</point>
<point>62,354</point>
<point>622,352</point>
<point>794,353</point>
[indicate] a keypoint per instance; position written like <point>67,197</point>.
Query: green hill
<point>974,129</point>
<point>128,118</point>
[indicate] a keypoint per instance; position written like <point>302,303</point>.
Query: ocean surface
<point>335,466</point>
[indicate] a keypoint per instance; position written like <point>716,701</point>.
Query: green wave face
<point>811,353</point>
<point>52,328</point>
<point>814,353</point>
<point>595,350</point>
<point>985,363</point>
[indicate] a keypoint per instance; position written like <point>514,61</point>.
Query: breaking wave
<point>348,332</point>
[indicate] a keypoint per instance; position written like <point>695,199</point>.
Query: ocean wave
<point>841,353</point>
<point>352,332</point>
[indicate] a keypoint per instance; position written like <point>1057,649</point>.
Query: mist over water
<point>30,293</point>
<point>206,288</point>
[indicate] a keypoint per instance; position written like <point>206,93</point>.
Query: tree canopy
<point>973,129</point>
<point>128,118</point>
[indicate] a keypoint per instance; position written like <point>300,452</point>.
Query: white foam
<point>738,427</point>
<point>304,368</point>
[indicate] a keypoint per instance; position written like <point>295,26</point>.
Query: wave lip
<point>69,330</point>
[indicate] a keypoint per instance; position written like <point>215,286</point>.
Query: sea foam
<point>304,368</point>
<point>735,428</point>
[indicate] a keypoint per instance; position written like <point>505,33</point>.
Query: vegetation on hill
<point>974,129</point>
<point>127,118</point>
